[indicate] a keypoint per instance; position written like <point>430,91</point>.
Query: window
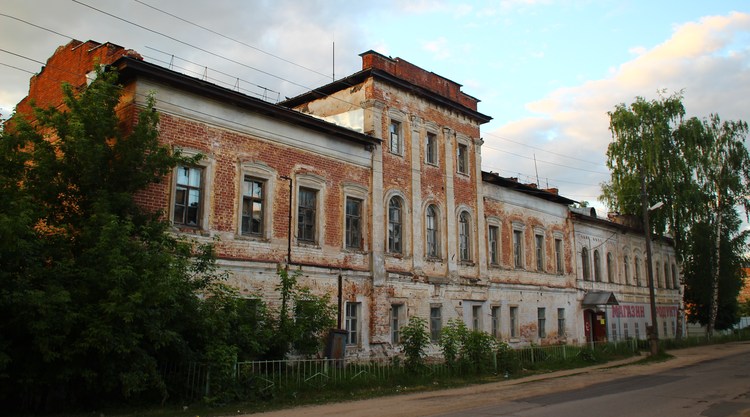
<point>610,268</point>
<point>667,283</point>
<point>395,241</point>
<point>626,264</point>
<point>352,323</point>
<point>492,243</point>
<point>353,223</point>
<point>476,317</point>
<point>395,323</point>
<point>495,313</point>
<point>597,267</point>
<point>431,226</point>
<point>252,206</point>
<point>539,241</point>
<point>462,159</point>
<point>585,264</point>
<point>675,285</point>
<point>638,272</point>
<point>513,317</point>
<point>559,256</point>
<point>518,248</point>
<point>464,241</point>
<point>430,151</point>
<point>396,144</point>
<point>306,214</point>
<point>637,330</point>
<point>674,330</point>
<point>614,331</point>
<point>625,331</point>
<point>541,322</point>
<point>436,323</point>
<point>665,328</point>
<point>561,322</point>
<point>658,276</point>
<point>188,199</point>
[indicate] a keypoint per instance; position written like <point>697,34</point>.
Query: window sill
<point>466,263</point>
<point>252,238</point>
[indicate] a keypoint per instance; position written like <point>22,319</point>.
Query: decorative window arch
<point>585,266</point>
<point>626,266</point>
<point>395,225</point>
<point>638,281</point>
<point>432,231</point>
<point>610,267</point>
<point>597,266</point>
<point>464,236</point>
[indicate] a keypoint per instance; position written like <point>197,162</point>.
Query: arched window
<point>464,242</point>
<point>395,225</point>
<point>638,282</point>
<point>675,284</point>
<point>667,281</point>
<point>585,264</point>
<point>431,226</point>
<point>626,264</point>
<point>658,282</point>
<point>610,268</point>
<point>597,267</point>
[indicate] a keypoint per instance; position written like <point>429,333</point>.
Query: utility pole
<point>653,336</point>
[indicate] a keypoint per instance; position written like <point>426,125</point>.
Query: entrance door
<point>595,326</point>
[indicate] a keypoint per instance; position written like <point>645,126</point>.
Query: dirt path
<point>443,401</point>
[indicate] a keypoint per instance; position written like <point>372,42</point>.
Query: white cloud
<point>702,57</point>
<point>438,47</point>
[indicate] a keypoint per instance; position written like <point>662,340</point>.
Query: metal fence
<point>266,378</point>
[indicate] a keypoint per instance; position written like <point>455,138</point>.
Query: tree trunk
<point>715,270</point>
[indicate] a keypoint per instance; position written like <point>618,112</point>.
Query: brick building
<point>378,176</point>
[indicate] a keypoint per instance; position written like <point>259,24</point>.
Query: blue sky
<point>547,71</point>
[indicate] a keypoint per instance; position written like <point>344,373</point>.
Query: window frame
<point>396,130</point>
<point>597,266</point>
<point>349,219</point>
<point>253,199</point>
<point>395,247</point>
<point>432,232</point>
<point>585,264</point>
<point>462,158</point>
<point>436,322</point>
<point>302,215</point>
<point>610,267</point>
<point>268,176</point>
<point>316,184</point>
<point>559,255</point>
<point>518,246</point>
<point>541,318</point>
<point>431,154</point>
<point>465,253</point>
<point>496,316</point>
<point>201,188</point>
<point>513,321</point>
<point>626,268</point>
<point>476,317</point>
<point>396,322</point>
<point>492,244</point>
<point>353,337</point>
<point>561,332</point>
<point>539,244</point>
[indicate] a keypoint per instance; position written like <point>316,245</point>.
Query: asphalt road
<point>715,388</point>
<point>706,381</point>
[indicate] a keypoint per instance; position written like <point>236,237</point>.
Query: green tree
<point>699,296</point>
<point>301,319</point>
<point>695,167</point>
<point>722,171</point>
<point>415,339</point>
<point>95,293</point>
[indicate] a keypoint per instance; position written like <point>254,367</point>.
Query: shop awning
<point>598,298</point>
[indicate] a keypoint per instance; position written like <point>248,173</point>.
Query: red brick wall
<point>70,63</point>
<point>416,75</point>
<point>229,149</point>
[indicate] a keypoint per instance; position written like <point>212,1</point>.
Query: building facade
<point>372,185</point>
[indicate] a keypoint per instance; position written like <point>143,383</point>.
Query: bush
<point>414,339</point>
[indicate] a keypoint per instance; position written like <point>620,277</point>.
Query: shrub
<point>414,339</point>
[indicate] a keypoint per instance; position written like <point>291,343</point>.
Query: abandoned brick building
<point>378,177</point>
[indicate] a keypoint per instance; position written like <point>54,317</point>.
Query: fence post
<point>565,355</point>
<point>532,354</point>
